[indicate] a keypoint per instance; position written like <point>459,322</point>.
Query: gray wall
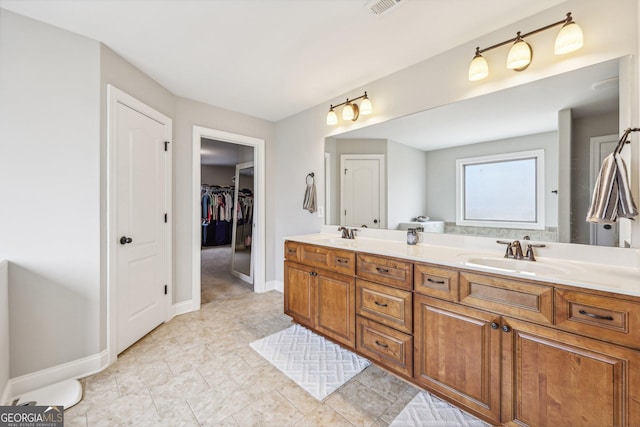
<point>187,114</point>
<point>4,333</point>
<point>583,129</point>
<point>50,185</point>
<point>441,172</point>
<point>406,183</point>
<point>217,175</point>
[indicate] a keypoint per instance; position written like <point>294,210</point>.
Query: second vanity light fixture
<point>351,111</point>
<point>569,39</point>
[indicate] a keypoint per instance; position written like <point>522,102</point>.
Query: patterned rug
<point>313,362</point>
<point>426,410</point>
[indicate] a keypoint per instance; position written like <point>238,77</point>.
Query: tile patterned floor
<point>198,369</point>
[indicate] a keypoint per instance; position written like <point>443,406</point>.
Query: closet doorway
<point>226,214</point>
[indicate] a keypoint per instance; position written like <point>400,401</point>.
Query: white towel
<point>612,197</point>
<point>310,201</point>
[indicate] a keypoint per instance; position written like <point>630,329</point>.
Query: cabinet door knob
<point>506,328</point>
<point>494,325</point>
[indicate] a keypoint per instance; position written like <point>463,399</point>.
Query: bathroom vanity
<point>513,342</point>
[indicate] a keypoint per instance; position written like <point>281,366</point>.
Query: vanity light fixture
<point>569,39</point>
<point>351,110</point>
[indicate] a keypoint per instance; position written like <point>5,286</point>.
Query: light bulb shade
<point>478,69</point>
<point>350,112</point>
<point>569,39</point>
<point>519,56</point>
<point>365,106</point>
<point>332,118</point>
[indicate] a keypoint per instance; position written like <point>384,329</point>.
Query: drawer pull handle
<point>381,304</point>
<point>381,344</point>
<point>595,316</point>
<point>292,251</point>
<point>439,282</point>
<point>382,270</point>
<point>343,261</point>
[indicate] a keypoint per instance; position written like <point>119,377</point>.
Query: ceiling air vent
<point>382,7</point>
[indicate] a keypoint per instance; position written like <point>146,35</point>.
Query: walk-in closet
<point>227,219</point>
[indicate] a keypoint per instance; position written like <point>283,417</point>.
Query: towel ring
<point>310,175</point>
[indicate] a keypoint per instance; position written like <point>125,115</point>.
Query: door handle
<point>124,240</point>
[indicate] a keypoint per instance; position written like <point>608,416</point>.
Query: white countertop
<point>589,275</point>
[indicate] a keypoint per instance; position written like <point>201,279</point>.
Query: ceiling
<point>274,58</point>
<point>521,110</point>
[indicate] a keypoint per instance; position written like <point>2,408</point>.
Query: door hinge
<point>165,289</point>
<point>166,145</point>
<point>166,218</point>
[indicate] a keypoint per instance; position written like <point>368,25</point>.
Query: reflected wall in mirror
<point>570,116</point>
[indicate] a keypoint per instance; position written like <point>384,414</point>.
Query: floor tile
<point>271,410</point>
<point>357,403</point>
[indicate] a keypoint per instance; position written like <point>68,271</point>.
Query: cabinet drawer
<point>291,251</point>
<point>322,257</point>
<point>599,317</point>
<point>389,347</point>
<point>524,300</point>
<point>389,306</point>
<point>389,271</point>
<point>436,281</point>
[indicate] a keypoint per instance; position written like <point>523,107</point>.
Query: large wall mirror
<point>573,118</point>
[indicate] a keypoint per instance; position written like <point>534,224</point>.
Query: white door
<point>361,189</point>
<point>601,147</point>
<point>140,223</point>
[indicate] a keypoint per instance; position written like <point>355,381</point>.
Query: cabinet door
<point>299,291</point>
<point>556,378</point>
<point>458,354</point>
<point>335,307</point>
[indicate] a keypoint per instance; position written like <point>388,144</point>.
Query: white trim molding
<point>259,236</point>
<point>71,370</point>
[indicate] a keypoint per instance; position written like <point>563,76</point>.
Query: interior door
<point>242,232</point>
<point>360,202</point>
<point>601,147</point>
<point>140,223</point>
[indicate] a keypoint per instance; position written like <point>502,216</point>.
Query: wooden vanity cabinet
<point>515,352</point>
<point>556,378</point>
<point>457,354</point>
<point>317,296</point>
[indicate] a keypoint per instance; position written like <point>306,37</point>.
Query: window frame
<point>538,224</point>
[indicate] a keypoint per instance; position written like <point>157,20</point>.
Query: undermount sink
<point>510,265</point>
<point>332,240</point>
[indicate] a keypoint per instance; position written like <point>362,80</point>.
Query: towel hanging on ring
<point>612,198</point>
<point>310,199</point>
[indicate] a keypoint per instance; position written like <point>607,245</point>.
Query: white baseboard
<point>183,308</point>
<point>5,398</point>
<point>71,370</point>
<point>276,285</point>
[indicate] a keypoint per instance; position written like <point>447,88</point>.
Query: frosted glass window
<point>501,191</point>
